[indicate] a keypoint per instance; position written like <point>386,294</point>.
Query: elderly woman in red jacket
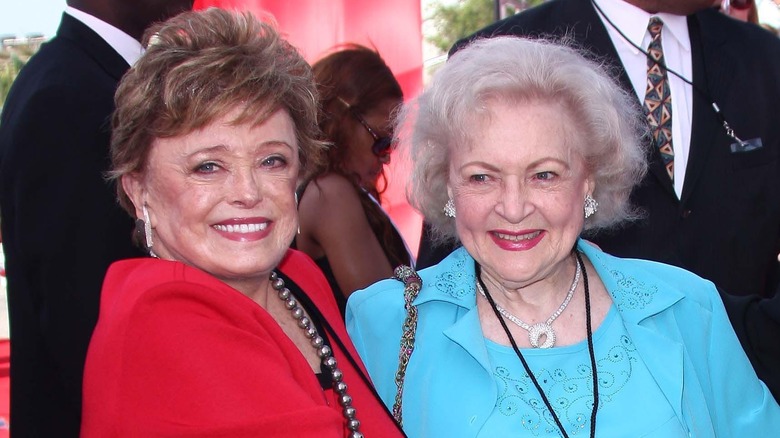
<point>225,332</point>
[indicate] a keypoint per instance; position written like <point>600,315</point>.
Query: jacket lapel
<point>599,42</point>
<point>706,130</point>
<point>467,332</point>
<point>589,31</point>
<point>456,285</point>
<point>96,47</point>
<point>667,368</point>
<point>639,298</point>
<point>642,301</point>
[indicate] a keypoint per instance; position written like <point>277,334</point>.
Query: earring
<point>148,231</point>
<point>591,206</point>
<point>296,209</point>
<point>449,208</point>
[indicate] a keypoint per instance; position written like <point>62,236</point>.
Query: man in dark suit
<point>724,224</point>
<point>61,225</point>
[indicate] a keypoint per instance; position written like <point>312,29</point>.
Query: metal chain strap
<point>412,285</point>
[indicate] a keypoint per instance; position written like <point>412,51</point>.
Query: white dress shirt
<point>676,44</point>
<point>126,46</point>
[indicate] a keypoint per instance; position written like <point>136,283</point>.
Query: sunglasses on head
<point>382,144</point>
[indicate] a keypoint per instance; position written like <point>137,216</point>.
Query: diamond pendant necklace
<point>589,328</point>
<point>323,351</point>
<point>536,331</point>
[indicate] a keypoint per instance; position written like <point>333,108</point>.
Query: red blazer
<point>177,352</point>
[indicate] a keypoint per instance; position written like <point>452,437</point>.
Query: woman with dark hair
<point>343,227</point>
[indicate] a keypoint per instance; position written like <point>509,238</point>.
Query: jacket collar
<point>638,294</point>
<point>453,281</point>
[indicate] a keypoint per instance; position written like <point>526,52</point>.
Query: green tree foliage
<point>454,21</point>
<point>11,61</point>
<point>8,71</point>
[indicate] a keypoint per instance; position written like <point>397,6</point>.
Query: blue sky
<point>23,17</point>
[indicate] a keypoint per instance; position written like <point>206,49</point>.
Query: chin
<point>246,272</point>
<point>246,265</point>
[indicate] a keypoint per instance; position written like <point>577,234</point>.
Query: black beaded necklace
<point>329,334</point>
<point>528,369</point>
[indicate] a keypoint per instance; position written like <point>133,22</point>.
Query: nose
<point>514,203</point>
<point>244,188</point>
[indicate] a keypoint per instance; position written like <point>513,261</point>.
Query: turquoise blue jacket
<point>675,319</point>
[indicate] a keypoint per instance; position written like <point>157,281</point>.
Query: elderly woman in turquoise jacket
<point>519,148</point>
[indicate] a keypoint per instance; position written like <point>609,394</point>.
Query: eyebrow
<point>224,148</point>
<point>546,159</point>
<point>533,164</point>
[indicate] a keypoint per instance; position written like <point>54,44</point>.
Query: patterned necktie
<point>658,99</point>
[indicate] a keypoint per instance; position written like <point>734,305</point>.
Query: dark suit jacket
<point>61,225</point>
<point>726,226</point>
<point>757,324</point>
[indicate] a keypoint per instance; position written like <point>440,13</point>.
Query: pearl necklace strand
<point>323,351</point>
<point>536,331</point>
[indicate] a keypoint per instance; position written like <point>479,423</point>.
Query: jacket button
<point>685,214</point>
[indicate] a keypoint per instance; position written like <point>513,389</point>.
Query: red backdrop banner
<point>392,27</point>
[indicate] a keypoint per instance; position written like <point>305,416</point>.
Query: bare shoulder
<point>333,183</point>
<point>331,192</point>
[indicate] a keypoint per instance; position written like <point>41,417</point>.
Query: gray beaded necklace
<point>323,351</point>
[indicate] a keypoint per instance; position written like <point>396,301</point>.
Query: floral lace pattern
<point>458,282</point>
<point>570,391</point>
<point>633,294</point>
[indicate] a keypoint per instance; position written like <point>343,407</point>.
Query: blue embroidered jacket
<point>675,319</point>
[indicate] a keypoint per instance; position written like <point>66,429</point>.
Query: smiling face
<point>519,191</point>
<point>222,198</point>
